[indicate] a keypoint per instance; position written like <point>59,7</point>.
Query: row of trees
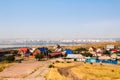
<point>11,58</point>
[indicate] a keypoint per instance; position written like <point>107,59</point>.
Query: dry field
<point>96,45</point>
<point>64,70</point>
<point>83,71</point>
<point>53,73</point>
<point>97,71</point>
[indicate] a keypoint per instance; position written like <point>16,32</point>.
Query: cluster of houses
<point>110,52</point>
<point>28,52</point>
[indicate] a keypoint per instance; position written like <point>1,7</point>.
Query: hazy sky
<point>59,19</point>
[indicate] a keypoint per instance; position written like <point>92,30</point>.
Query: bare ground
<point>27,70</point>
<point>34,70</point>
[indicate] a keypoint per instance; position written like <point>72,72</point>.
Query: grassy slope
<point>87,71</point>
<point>97,71</point>
<point>54,75</point>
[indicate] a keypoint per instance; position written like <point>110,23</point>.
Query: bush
<point>65,55</point>
<point>10,58</point>
<point>69,62</point>
<point>87,55</point>
<point>113,70</point>
<point>51,66</point>
<point>106,52</point>
<point>80,49</point>
<point>39,56</point>
<point>57,61</point>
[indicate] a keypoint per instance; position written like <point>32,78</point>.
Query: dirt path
<point>27,70</point>
<point>40,72</point>
<point>67,72</point>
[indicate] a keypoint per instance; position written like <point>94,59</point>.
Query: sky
<point>59,19</point>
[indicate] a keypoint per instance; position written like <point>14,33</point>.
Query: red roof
<point>114,50</point>
<point>24,50</point>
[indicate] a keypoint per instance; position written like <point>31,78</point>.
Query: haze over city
<point>59,19</point>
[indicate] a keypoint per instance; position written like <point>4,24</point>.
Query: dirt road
<point>27,70</point>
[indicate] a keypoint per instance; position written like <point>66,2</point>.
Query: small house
<point>40,51</point>
<point>99,52</point>
<point>24,51</point>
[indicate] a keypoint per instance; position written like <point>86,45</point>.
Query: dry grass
<point>97,72</point>
<point>86,71</point>
<point>63,65</point>
<point>54,75</point>
<point>3,65</point>
<point>96,45</point>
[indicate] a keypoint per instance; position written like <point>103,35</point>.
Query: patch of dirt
<point>27,70</point>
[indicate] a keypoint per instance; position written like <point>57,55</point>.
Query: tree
<point>87,55</point>
<point>39,56</point>
<point>10,58</point>
<point>106,52</point>
<point>79,50</point>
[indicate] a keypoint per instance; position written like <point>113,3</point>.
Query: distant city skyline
<point>59,19</point>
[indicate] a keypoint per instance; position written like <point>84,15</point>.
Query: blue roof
<point>68,51</point>
<point>43,50</point>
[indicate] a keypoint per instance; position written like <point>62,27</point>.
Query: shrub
<point>68,61</point>
<point>87,55</point>
<point>106,52</point>
<point>51,66</point>
<point>10,58</point>
<point>91,63</point>
<point>57,61</point>
<point>39,56</point>
<point>113,70</point>
<point>65,55</point>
